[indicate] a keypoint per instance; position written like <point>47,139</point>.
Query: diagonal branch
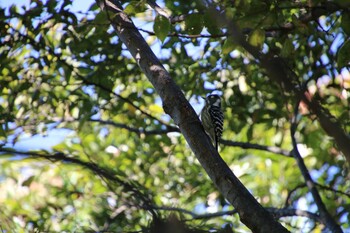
<point>176,105</point>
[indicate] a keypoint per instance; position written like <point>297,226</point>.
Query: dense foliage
<point>123,163</point>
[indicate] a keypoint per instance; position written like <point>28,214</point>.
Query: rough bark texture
<point>252,214</point>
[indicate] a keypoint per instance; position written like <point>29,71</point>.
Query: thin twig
<point>246,145</point>
<point>168,129</point>
<point>290,193</point>
<point>321,186</point>
<point>333,190</point>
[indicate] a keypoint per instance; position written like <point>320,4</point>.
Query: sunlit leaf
<point>257,38</point>
<point>228,46</point>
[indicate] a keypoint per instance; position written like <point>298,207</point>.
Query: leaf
<point>211,25</point>
<point>343,57</point>
<point>135,7</point>
<point>194,24</point>
<point>2,131</point>
<point>288,48</point>
<point>130,9</point>
<point>28,181</point>
<point>155,108</point>
<point>228,46</point>
<point>257,38</point>
<point>93,7</point>
<point>101,18</point>
<point>161,27</point>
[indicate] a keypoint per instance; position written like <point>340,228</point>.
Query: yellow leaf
<point>257,38</point>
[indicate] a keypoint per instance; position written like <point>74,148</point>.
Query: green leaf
<point>130,9</point>
<point>194,24</point>
<point>2,131</point>
<point>93,7</point>
<point>228,46</point>
<point>211,25</point>
<point>288,48</point>
<point>161,27</point>
<point>135,7</point>
<point>28,181</point>
<point>257,38</point>
<point>101,18</point>
<point>343,57</point>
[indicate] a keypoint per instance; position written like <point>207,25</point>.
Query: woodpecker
<point>213,118</point>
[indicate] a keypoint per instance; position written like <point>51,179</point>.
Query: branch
<point>290,193</point>
<point>174,34</point>
<point>245,145</point>
<point>288,212</point>
<point>168,129</point>
<point>176,105</point>
<point>333,190</point>
<point>276,212</point>
<point>326,218</point>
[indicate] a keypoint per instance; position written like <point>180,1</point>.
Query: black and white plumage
<point>213,118</point>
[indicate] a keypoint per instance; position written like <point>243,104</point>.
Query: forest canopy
<point>122,84</point>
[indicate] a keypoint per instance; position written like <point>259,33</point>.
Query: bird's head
<point>213,100</point>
